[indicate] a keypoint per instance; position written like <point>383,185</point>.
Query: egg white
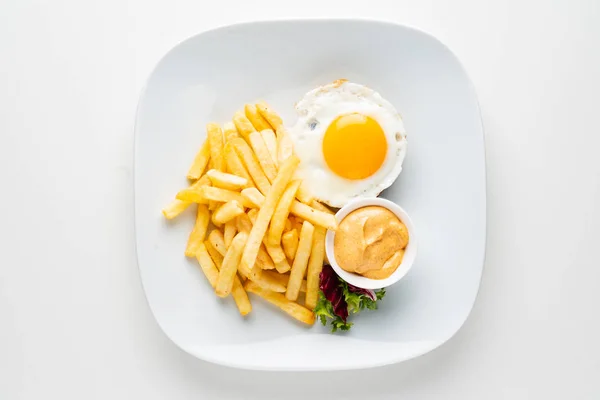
<point>316,111</point>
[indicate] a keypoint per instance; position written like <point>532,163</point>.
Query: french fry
<point>271,116</point>
<point>315,217</point>
<point>283,279</point>
<point>266,211</point>
<point>243,124</point>
<point>252,214</point>
<point>217,241</point>
<point>200,162</point>
<point>227,212</point>
<point>271,141</point>
<point>220,195</point>
<point>253,196</point>
<point>321,207</point>
<point>289,242</point>
<point>304,195</point>
<point>298,209</point>
<point>230,131</point>
<point>252,165</point>
<point>224,180</point>
<point>288,225</point>
<point>215,140</point>
<point>207,264</point>
<point>240,297</point>
<point>300,262</point>
<point>267,282</point>
<point>175,208</point>
<point>199,232</point>
<point>255,118</point>
<point>262,154</point>
<point>296,223</point>
<point>237,292</point>
<point>214,253</point>
<point>234,163</point>
<point>315,265</point>
<point>230,265</point>
<point>281,214</point>
<point>191,195</point>
<point>229,232</point>
<point>276,252</point>
<point>243,223</point>
<point>291,308</point>
<point>263,260</point>
<point>285,146</point>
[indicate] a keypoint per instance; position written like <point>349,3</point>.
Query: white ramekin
<point>409,254</point>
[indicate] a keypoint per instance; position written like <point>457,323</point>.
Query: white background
<point>74,323</point>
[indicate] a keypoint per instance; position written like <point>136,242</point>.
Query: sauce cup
<point>409,253</point>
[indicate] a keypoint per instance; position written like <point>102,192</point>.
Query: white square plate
<point>211,75</point>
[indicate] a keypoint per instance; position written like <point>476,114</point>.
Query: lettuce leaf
<point>338,299</point>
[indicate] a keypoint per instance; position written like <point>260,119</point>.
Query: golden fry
<point>230,265</point>
<point>237,292</point>
<point>263,260</point>
<point>200,162</point>
<point>229,232</point>
<point>291,308</point>
<point>262,153</point>
<point>283,279</point>
<point>230,131</point>
<point>221,195</point>
<point>224,180</point>
<point>252,214</point>
<point>267,282</point>
<point>281,214</point>
<point>296,222</point>
<point>315,217</point>
<point>243,124</point>
<point>315,265</point>
<point>253,196</point>
<point>271,142</point>
<point>320,207</point>
<point>276,252</point>
<point>288,225</point>
<point>175,208</point>
<point>197,235</point>
<point>207,264</point>
<point>300,262</point>
<point>304,195</point>
<point>289,242</point>
<point>227,212</point>
<point>251,164</point>
<point>255,118</point>
<point>214,253</point>
<point>191,195</point>
<point>215,141</point>
<point>243,223</point>
<point>271,116</point>
<point>240,296</point>
<point>234,163</point>
<point>266,211</point>
<point>217,240</point>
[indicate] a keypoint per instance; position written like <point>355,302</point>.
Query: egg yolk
<point>354,146</point>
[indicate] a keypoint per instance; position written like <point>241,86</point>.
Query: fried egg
<point>350,140</point>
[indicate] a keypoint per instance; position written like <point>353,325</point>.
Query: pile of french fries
<point>257,229</point>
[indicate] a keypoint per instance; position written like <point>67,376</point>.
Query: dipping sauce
<point>370,241</point>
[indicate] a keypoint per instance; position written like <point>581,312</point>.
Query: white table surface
<point>74,323</point>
